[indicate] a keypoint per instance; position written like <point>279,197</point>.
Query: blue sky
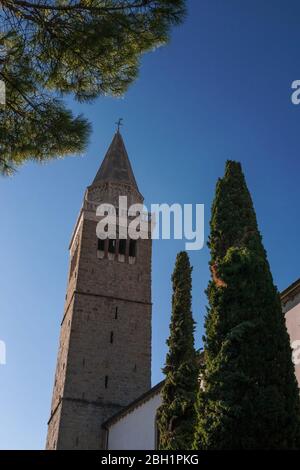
<point>220,90</point>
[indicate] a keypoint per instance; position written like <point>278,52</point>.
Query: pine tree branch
<point>78,6</point>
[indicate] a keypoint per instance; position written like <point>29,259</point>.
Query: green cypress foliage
<point>176,416</point>
<point>249,397</point>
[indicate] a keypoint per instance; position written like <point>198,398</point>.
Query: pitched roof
<point>135,404</point>
<point>290,291</point>
<point>116,166</point>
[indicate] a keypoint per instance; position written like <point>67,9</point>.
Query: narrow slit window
<point>106,381</point>
<point>122,247</point>
<point>116,313</point>
<point>132,248</point>
<point>101,244</point>
<point>111,246</point>
<point>111,337</point>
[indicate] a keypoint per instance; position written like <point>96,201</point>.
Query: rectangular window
<point>132,248</point>
<point>101,244</point>
<point>111,246</point>
<point>122,247</point>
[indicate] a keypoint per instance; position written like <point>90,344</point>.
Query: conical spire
<point>116,166</point>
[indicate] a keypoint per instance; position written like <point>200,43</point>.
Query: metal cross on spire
<point>119,123</point>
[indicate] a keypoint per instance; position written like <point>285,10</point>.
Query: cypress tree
<point>249,397</point>
<point>176,416</point>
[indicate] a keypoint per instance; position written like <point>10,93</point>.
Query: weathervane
<point>119,123</point>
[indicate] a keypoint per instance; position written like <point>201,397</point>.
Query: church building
<point>134,427</point>
<point>102,397</point>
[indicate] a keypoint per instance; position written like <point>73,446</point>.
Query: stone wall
<point>104,359</point>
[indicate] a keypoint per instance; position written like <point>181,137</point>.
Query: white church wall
<point>136,430</point>
<point>292,317</point>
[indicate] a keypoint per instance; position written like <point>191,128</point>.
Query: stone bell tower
<point>104,357</point>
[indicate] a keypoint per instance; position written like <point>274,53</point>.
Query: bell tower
<point>104,357</point>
